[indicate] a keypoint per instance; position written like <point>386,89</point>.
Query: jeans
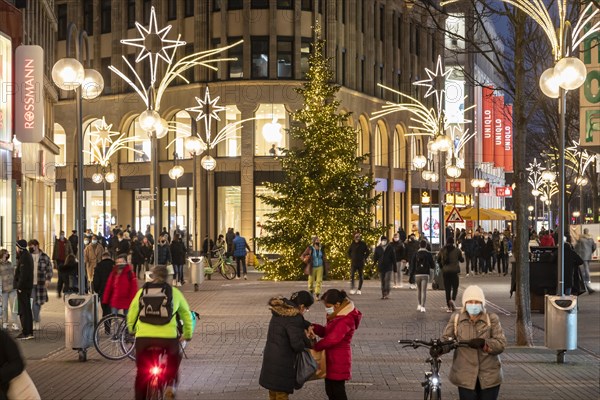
<point>422,281</point>
<point>242,261</point>
<point>471,261</point>
<point>25,314</point>
<point>8,299</point>
<point>484,265</point>
<point>398,274</point>
<point>178,273</point>
<point>145,357</point>
<point>336,390</point>
<point>479,393</point>
<point>504,264</point>
<point>585,272</point>
<point>64,280</point>
<point>35,307</point>
<point>116,311</point>
<point>386,278</point>
<point>138,269</point>
<point>450,286</point>
<point>359,270</point>
<point>315,279</point>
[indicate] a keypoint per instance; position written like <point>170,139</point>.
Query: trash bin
<point>197,264</point>
<point>561,322</point>
<point>80,320</point>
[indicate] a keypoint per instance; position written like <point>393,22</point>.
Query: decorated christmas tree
<point>324,192</point>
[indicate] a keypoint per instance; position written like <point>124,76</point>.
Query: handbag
<point>306,366</point>
<point>307,269</point>
<point>319,357</point>
<point>22,387</point>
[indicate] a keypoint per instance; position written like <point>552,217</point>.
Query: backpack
<point>420,267</point>
<point>156,304</point>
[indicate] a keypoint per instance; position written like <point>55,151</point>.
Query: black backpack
<point>420,267</point>
<point>156,304</point>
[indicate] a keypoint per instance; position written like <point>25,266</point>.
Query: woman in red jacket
<point>342,320</point>
<point>121,286</point>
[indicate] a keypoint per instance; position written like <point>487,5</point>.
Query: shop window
<point>270,128</point>
<point>397,211</point>
<point>380,209</point>
<point>261,210</point>
<point>377,155</point>
<point>305,48</point>
<point>60,139</point>
<point>143,147</point>
<point>60,212</point>
<point>143,212</point>
<point>231,145</point>
<point>88,17</point>
<point>236,68</point>
<point>359,141</point>
<point>89,127</point>
<point>96,211</point>
<point>229,208</point>
<point>216,5</point>
<point>306,5</point>
<point>260,57</point>
<point>176,209</point>
<point>188,8</point>
<point>259,4</point>
<point>105,16</point>
<point>397,150</point>
<point>285,4</point>
<point>285,63</point>
<point>175,140</point>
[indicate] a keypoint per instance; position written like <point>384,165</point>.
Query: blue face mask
<point>474,309</point>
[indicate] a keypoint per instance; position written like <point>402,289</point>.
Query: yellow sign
<point>461,199</point>
<point>425,199</point>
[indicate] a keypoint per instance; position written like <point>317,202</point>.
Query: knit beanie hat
<point>473,292</point>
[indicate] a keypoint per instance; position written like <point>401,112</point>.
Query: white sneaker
<point>419,307</point>
<point>237,277</point>
<point>358,292</point>
<point>245,277</point>
<point>15,327</point>
<point>467,275</point>
<point>5,326</point>
<point>422,309</point>
<point>413,287</point>
<point>352,291</point>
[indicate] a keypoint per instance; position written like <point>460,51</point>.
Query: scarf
<point>344,304</point>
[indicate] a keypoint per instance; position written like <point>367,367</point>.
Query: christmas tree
<point>324,192</point>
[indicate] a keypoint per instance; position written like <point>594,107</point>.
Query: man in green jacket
<point>152,334</point>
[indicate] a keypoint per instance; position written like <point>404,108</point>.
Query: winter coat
<point>164,254</point>
<point>24,271</point>
<point>385,258</point>
<point>421,264</point>
<point>147,252</point>
<point>239,247</point>
<point>11,362</point>
<point>399,250</point>
<point>92,254</point>
<point>486,248</point>
<point>7,276</point>
<point>336,339</point>
<point>285,339</point>
<point>120,288</point>
<point>74,241</point>
<point>137,258</point>
<point>547,241</point>
<point>470,364</point>
<point>469,246</point>
<point>71,268</point>
<point>101,275</point>
<point>229,236</point>
<point>67,250</point>
<point>122,247</point>
<point>450,258</point>
<point>358,253</point>
<point>40,292</point>
<point>309,252</point>
<point>572,263</point>
<point>585,247</point>
<point>178,252</point>
<point>410,249</point>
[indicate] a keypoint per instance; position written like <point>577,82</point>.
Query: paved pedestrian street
<point>224,358</point>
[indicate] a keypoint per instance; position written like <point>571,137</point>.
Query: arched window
<point>182,123</point>
<point>60,138</point>
<point>88,127</point>
<point>270,129</point>
<point>143,146</point>
<point>230,146</point>
<point>365,145</point>
<point>377,156</point>
<point>359,141</point>
<point>399,159</point>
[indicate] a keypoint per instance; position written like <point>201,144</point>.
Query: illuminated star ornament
<point>102,144</point>
<point>207,110</point>
<point>153,44</point>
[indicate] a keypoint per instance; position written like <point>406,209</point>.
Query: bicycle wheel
<point>107,336</point>
<point>154,392</point>
<point>228,271</point>
<point>435,394</point>
<point>127,342</point>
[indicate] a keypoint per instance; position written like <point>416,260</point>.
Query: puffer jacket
<point>164,254</point>
<point>449,258</point>
<point>469,364</point>
<point>285,339</point>
<point>337,337</point>
<point>120,288</point>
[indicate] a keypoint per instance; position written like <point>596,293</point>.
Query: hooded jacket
<point>469,364</point>
<point>285,339</point>
<point>120,288</point>
<point>337,337</point>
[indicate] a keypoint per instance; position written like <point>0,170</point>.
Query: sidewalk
<point>226,353</point>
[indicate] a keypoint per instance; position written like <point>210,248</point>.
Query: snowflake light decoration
<point>436,79</point>
<point>153,44</point>
<point>207,110</point>
<point>104,143</point>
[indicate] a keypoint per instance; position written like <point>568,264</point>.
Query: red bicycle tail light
<point>155,371</point>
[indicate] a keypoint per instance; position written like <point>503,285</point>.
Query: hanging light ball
<point>68,73</point>
<point>148,120</point>
<point>535,192</point>
<point>176,172</point>
<point>571,73</point>
<point>434,177</point>
<point>97,178</point>
<point>208,163</point>
<point>548,176</point>
<point>549,83</point>
<point>92,85</point>
<point>110,177</point>
<point>161,128</point>
<point>443,143</point>
<point>419,161</point>
<point>453,171</point>
<point>426,174</point>
<point>581,181</point>
<point>193,144</point>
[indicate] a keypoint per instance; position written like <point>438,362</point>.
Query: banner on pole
<point>508,138</point>
<point>488,125</point>
<point>498,102</point>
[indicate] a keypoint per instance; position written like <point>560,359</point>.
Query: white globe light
<point>543,198</point>
<point>548,176</point>
<point>272,131</point>
<point>571,73</point>
<point>172,174</point>
<point>530,208</point>
<point>419,161</point>
<point>110,177</point>
<point>208,163</point>
<point>176,172</point>
<point>426,175</point>
<point>581,181</point>
<point>432,147</point>
<point>535,192</point>
<point>67,73</point>
<point>193,144</point>
<point>434,177</point>
<point>161,128</point>
<point>453,171</point>
<point>549,83</point>
<point>97,178</point>
<point>148,120</point>
<point>92,85</point>
<point>576,214</point>
<point>443,143</point>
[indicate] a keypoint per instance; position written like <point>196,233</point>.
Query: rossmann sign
<point>29,94</point>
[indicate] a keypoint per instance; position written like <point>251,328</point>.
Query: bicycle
<point>112,339</point>
<point>432,384</point>
<point>225,268</point>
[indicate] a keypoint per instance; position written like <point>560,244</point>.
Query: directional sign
<point>454,217</point>
<point>144,196</point>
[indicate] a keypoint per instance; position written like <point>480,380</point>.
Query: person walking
<point>101,274</point>
<point>62,249</point>
<point>121,286</point>
<point>486,248</point>
<point>164,251</point>
<point>505,249</point>
<point>476,370</point>
<point>148,253</point>
<point>286,338</point>
<point>229,236</point>
<point>15,383</point>
<point>240,248</point>
<point>137,258</point>
<point>420,268</point>
<point>449,258</point>
<point>316,260</point>
<point>74,241</point>
<point>385,258</point>
<point>469,247</point>
<point>9,294</point>
<point>42,275</point>
<point>400,253</point>
<point>343,318</point>
<point>411,246</point>
<point>178,255</point>
<point>358,252</point>
<point>69,269</point>
<point>92,255</point>
<point>586,247</point>
<point>23,283</point>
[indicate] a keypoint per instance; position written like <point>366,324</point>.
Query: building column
<point>247,173</point>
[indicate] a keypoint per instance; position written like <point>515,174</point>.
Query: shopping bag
<point>22,388</point>
<point>319,357</point>
<point>170,269</point>
<point>306,366</point>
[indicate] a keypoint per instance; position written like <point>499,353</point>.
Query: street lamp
<point>175,173</point>
<point>104,176</point>
<point>194,146</point>
<point>70,74</point>
<point>478,183</point>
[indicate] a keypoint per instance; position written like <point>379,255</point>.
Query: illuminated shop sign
<point>29,100</point>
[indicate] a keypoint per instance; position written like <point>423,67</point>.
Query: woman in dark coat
<point>137,258</point>
<point>286,338</point>
<point>178,257</point>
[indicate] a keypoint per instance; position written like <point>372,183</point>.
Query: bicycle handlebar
<point>415,343</point>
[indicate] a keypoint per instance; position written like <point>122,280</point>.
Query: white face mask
<point>329,310</point>
<point>85,241</point>
<point>383,242</point>
<point>94,241</point>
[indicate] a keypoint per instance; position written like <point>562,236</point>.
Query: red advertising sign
<point>488,125</point>
<point>504,191</point>
<point>508,138</point>
<point>485,189</point>
<point>29,92</point>
<point>453,186</point>
<point>499,131</point>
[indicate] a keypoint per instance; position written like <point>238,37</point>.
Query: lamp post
<point>478,183</point>
<point>209,164</point>
<point>530,209</point>
<point>104,176</point>
<point>194,146</point>
<point>175,173</point>
<point>69,74</point>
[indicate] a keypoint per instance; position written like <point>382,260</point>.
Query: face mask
<point>163,241</point>
<point>31,249</point>
<point>396,239</point>
<point>383,242</point>
<point>121,266</point>
<point>94,241</point>
<point>329,310</point>
<point>120,239</point>
<point>62,237</point>
<point>474,309</point>
<point>86,241</point>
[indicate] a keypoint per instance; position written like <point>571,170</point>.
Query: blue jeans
<point>178,275</point>
<point>116,311</point>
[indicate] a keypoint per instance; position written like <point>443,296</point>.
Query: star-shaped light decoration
<point>102,144</point>
<point>153,44</point>
<point>207,110</point>
<point>436,80</point>
<point>101,132</point>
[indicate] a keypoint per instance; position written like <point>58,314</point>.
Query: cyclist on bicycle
<point>152,317</point>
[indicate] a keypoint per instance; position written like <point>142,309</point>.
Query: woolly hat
<point>22,244</point>
<point>473,292</point>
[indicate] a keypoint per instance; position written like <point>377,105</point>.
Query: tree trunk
<point>524,330</point>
